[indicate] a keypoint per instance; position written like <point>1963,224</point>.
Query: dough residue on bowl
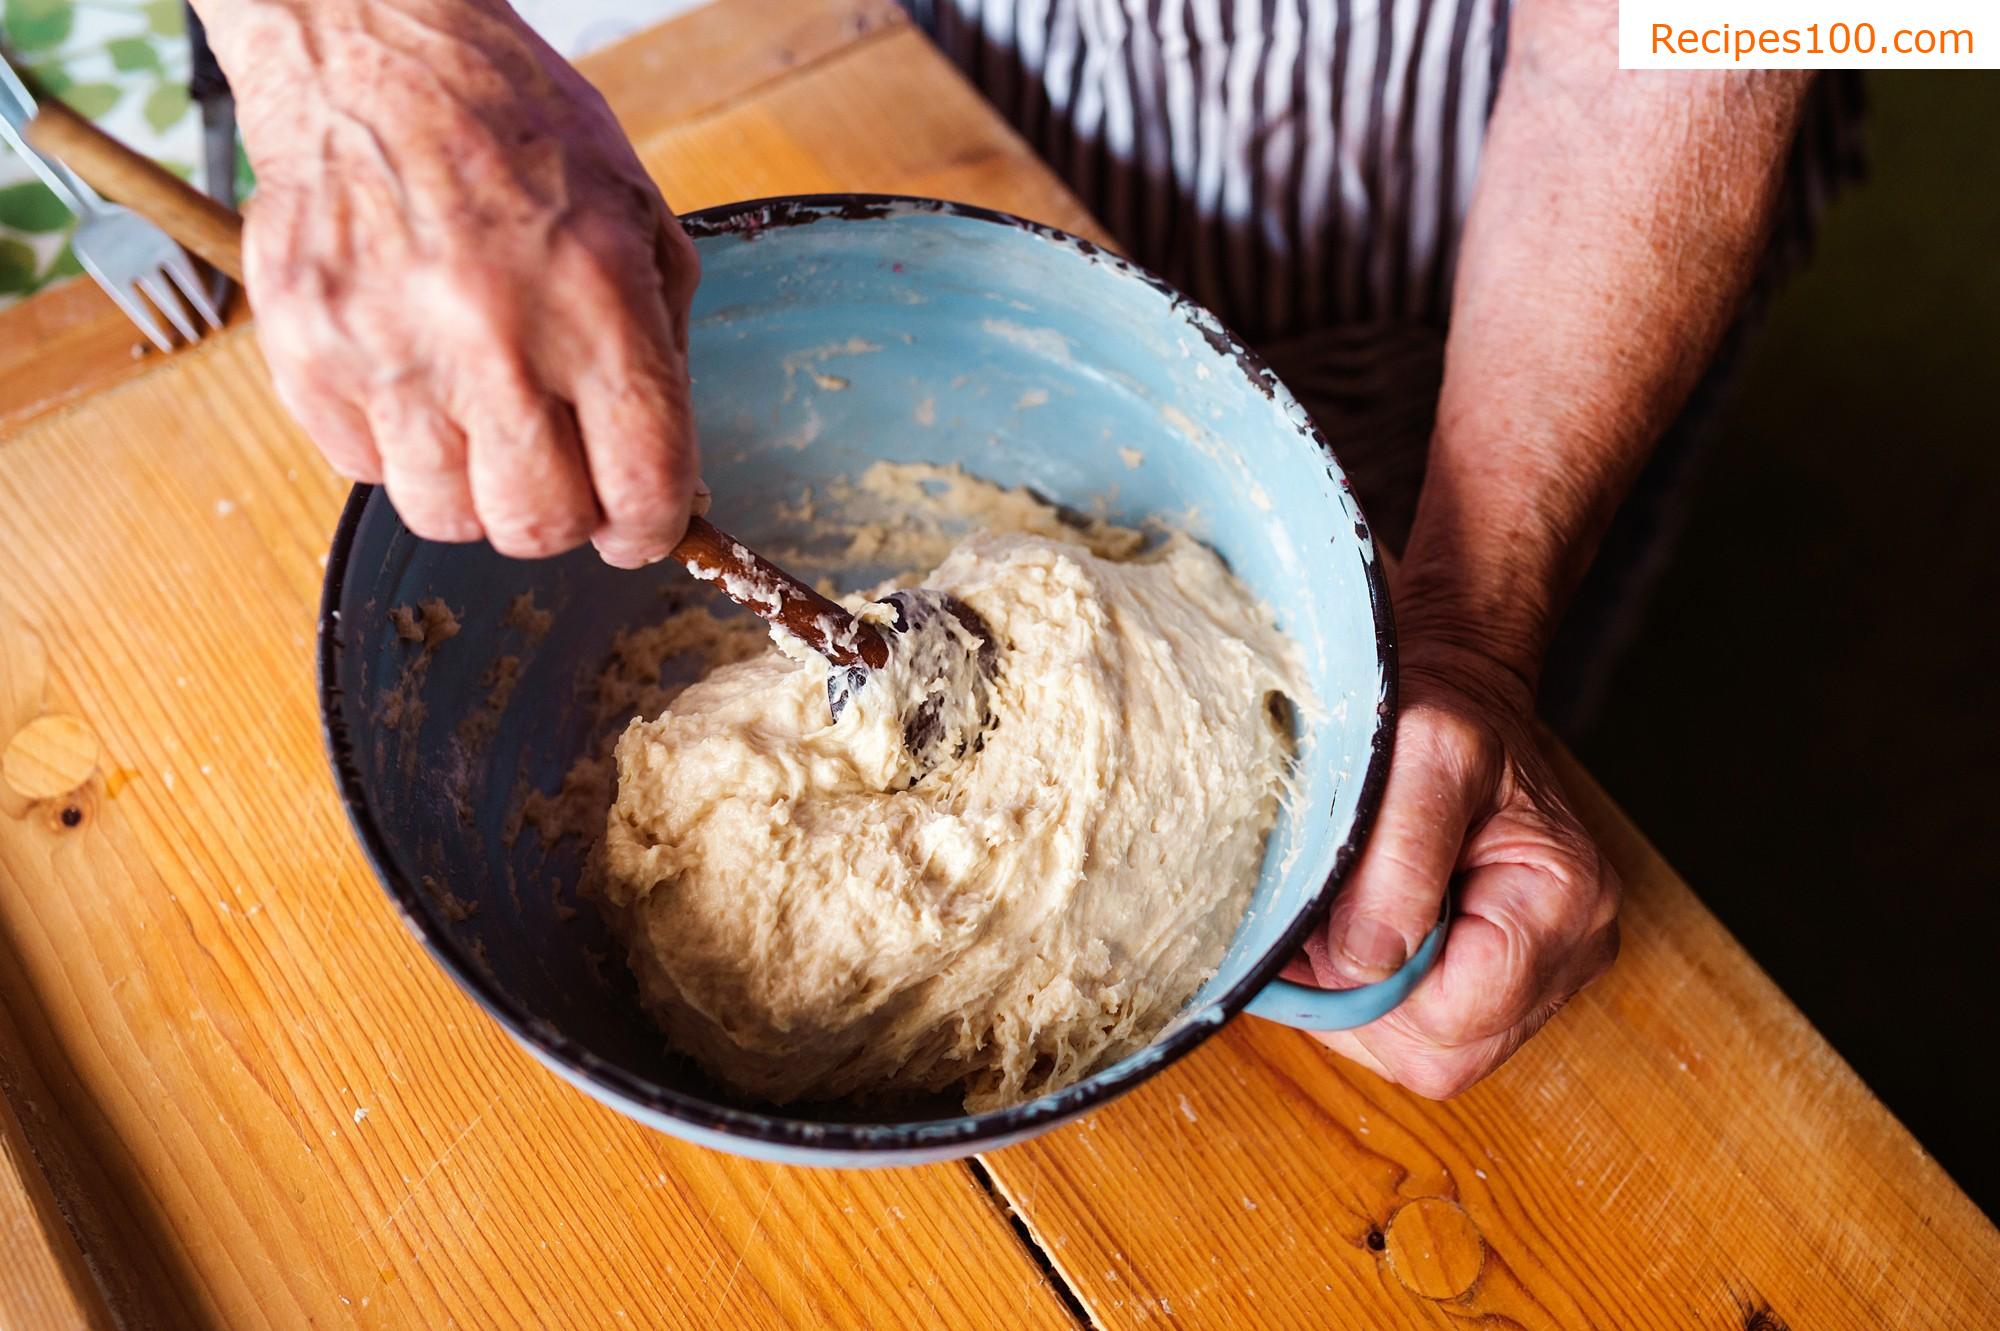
<point>808,925</point>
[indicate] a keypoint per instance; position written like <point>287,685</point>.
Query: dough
<point>808,924</point>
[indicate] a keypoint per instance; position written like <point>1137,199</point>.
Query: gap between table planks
<point>1678,1149</point>
<point>1595,1182</point>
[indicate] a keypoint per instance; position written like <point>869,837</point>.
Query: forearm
<point>1617,222</point>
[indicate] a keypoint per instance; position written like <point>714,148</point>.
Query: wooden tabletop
<point>238,1094</point>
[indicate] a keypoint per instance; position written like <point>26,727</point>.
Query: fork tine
<point>135,309</point>
<point>182,270</point>
<point>164,300</point>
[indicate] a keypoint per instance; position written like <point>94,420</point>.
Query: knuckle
<point>501,398</point>
<point>280,280</point>
<point>423,452</point>
<point>298,390</point>
<point>1458,1024</point>
<point>276,253</point>
<point>522,462</point>
<point>535,538</point>
<point>350,465</point>
<point>630,554</point>
<point>1608,943</point>
<point>642,389</point>
<point>528,525</point>
<point>638,497</point>
<point>295,362</point>
<point>1399,865</point>
<point>477,309</point>
<point>458,284</point>
<point>606,246</point>
<point>433,519</point>
<point>679,256</point>
<point>676,244</point>
<point>1441,746</point>
<point>1433,1078</point>
<point>334,431</point>
<point>1610,896</point>
<point>450,531</point>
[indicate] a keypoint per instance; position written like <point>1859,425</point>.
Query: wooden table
<point>239,1095</point>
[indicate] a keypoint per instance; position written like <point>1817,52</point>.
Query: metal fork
<point>125,253</point>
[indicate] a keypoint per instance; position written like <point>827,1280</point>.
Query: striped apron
<point>1303,168</point>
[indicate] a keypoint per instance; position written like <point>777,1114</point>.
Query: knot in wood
<point>1434,1248</point>
<point>50,756</point>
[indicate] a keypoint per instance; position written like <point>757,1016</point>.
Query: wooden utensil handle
<point>770,593</point>
<point>141,184</point>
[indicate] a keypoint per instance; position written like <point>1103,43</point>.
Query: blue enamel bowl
<point>952,335</point>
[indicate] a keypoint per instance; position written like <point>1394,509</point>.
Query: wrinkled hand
<point>467,288</point>
<point>1471,803</point>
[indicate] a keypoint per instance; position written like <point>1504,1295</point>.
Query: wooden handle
<point>141,184</point>
<point>772,594</point>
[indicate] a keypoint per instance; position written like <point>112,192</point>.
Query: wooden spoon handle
<point>216,234</point>
<point>141,184</point>
<point>770,593</point>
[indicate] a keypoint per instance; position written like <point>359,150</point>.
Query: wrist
<point>1434,651</point>
<point>1464,592</point>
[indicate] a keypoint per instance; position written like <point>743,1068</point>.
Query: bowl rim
<point>807,1138</point>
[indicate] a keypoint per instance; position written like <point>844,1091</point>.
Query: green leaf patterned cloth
<point>123,64</point>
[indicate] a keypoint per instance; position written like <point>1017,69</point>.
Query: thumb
<point>1438,783</point>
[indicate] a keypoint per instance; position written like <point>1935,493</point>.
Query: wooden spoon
<point>215,232</point>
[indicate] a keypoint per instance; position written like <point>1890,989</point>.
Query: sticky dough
<point>807,928</point>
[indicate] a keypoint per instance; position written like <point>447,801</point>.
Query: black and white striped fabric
<point>1294,165</point>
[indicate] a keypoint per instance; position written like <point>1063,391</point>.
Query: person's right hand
<point>466,286</point>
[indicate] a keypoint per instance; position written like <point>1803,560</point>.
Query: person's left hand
<point>1470,803</point>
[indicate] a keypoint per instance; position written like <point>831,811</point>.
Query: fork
<point>125,253</point>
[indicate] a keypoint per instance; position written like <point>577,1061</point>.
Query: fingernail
<point>624,556</point>
<point>702,499</point>
<point>1372,946</point>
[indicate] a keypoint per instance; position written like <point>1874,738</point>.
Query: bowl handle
<point>1311,1009</point>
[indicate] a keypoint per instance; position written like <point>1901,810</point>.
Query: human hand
<point>467,287</point>
<point>1470,802</point>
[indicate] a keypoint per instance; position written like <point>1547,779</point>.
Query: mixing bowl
<point>830,333</point>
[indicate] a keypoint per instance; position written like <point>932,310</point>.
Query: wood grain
<point>1679,1149</point>
<point>263,1106</point>
<point>272,1106</point>
<point>61,345</point>
<point>45,1280</point>
<point>263,1081</point>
